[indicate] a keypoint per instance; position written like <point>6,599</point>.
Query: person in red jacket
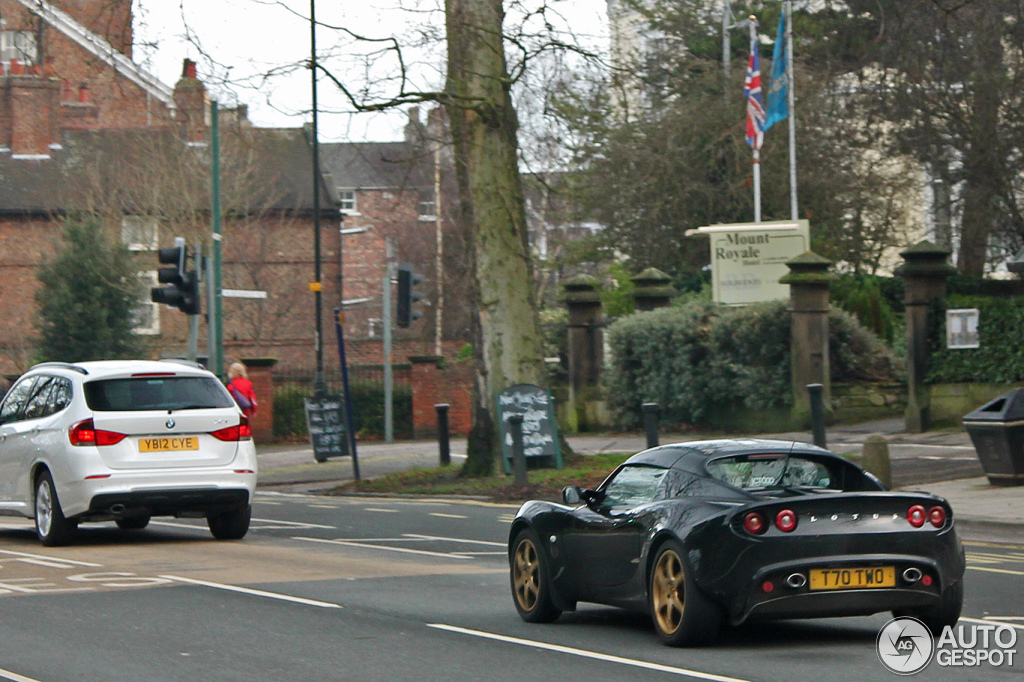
<point>241,389</point>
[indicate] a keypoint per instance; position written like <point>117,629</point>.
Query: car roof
<point>694,453</point>
<point>100,369</point>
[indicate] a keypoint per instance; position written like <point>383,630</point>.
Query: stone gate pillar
<point>808,281</point>
<point>924,273</point>
<point>585,330</point>
<point>653,290</point>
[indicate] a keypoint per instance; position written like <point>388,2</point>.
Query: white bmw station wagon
<point>123,441</point>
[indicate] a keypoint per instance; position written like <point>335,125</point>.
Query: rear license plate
<point>169,444</point>
<point>853,578</point>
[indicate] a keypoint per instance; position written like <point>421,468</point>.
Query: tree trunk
<point>484,125</point>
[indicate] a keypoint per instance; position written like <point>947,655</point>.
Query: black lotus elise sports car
<point>729,530</point>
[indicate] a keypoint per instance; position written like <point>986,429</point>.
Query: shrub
<point>367,410</point>
<point>691,358</point>
<point>1000,359</point>
<point>870,298</point>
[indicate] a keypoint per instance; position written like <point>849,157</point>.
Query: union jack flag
<point>755,104</point>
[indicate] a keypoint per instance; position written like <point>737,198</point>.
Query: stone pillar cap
<point>808,268</point>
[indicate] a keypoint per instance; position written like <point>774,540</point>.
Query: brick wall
<point>432,385</point>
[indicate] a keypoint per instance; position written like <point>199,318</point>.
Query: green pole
<point>215,327</point>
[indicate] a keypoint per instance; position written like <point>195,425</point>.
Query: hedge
<point>1000,359</point>
<point>693,357</point>
<point>367,408</point>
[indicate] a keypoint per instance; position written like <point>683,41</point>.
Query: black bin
<point>997,431</point>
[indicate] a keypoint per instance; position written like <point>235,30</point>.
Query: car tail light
<point>937,516</point>
<point>234,433</point>
<point>785,521</point>
<point>917,516</point>
<point>755,523</point>
<point>926,580</point>
<point>85,433</point>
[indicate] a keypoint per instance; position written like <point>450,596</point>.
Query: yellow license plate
<point>853,578</point>
<point>169,444</point>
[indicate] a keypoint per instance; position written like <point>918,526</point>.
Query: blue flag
<point>778,89</point>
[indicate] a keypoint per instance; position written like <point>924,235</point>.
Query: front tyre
<point>52,529</point>
<point>682,614</point>
<point>232,525</point>
<point>529,574</point>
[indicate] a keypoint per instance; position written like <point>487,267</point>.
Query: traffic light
<point>408,280</point>
<point>183,292</point>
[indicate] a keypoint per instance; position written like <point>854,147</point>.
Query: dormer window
<point>347,197</point>
<point>20,45</point>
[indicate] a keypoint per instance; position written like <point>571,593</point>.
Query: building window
<point>427,206</point>
<point>20,45</point>
<point>376,328</point>
<point>146,315</point>
<point>140,233</point>
<point>347,197</point>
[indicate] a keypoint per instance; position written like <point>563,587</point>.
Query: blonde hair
<point>237,369</point>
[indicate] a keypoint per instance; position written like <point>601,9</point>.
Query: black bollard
<point>651,412</point>
<point>443,445</point>
<point>816,392</point>
<point>515,425</point>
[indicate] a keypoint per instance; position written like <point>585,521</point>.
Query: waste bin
<point>997,431</point>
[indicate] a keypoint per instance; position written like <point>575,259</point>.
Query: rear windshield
<point>156,393</point>
<point>752,472</point>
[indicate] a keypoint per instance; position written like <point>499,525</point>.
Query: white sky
<point>248,38</point>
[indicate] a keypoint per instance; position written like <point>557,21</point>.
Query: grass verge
<point>544,484</point>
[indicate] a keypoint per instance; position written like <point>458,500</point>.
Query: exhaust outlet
<point>912,575</point>
<point>116,509</point>
<point>796,580</point>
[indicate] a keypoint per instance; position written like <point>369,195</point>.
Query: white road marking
<point>379,509</point>
<point>256,593</point>
<point>583,653</point>
<point>51,559</point>
<point>467,541</point>
<point>15,677</point>
<point>448,516</point>
<point>1004,617</point>
<point>979,621</point>
<point>267,524</point>
<point>403,550</point>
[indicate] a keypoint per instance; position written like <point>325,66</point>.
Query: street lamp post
<point>319,383</point>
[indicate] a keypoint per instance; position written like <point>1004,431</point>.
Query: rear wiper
<point>785,468</point>
<point>188,406</point>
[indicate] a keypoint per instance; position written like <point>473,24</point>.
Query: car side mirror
<point>571,495</point>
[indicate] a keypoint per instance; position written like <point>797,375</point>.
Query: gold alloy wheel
<point>668,591</point>
<point>526,574</point>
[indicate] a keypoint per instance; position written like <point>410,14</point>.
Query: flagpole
<point>757,152</point>
<point>791,97</point>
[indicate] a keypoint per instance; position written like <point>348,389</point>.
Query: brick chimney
<point>190,98</point>
<point>29,114</point>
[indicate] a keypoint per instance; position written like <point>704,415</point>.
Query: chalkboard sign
<point>326,425</point>
<point>540,431</point>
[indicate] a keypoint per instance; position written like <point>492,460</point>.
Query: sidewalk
<point>983,512</point>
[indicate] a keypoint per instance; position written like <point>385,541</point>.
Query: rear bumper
<point>168,502</point>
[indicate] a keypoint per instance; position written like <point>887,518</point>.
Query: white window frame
<point>348,200</point>
<point>426,210</point>
<point>140,325</point>
<point>140,233</point>
<point>20,45</point>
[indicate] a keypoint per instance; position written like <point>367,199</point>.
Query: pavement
<point>943,462</point>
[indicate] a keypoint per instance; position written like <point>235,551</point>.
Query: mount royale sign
<point>748,259</point>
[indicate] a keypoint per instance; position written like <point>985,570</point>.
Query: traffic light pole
<point>389,418</point>
<point>215,328</point>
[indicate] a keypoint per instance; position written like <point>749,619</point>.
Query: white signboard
<point>962,328</point>
<point>748,259</point>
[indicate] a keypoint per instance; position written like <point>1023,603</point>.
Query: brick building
<point>84,129</point>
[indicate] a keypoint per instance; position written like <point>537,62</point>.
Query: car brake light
<point>785,521</point>
<point>153,374</point>
<point>937,516</point>
<point>85,433</point>
<point>916,515</point>
<point>234,433</point>
<point>755,523</point>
